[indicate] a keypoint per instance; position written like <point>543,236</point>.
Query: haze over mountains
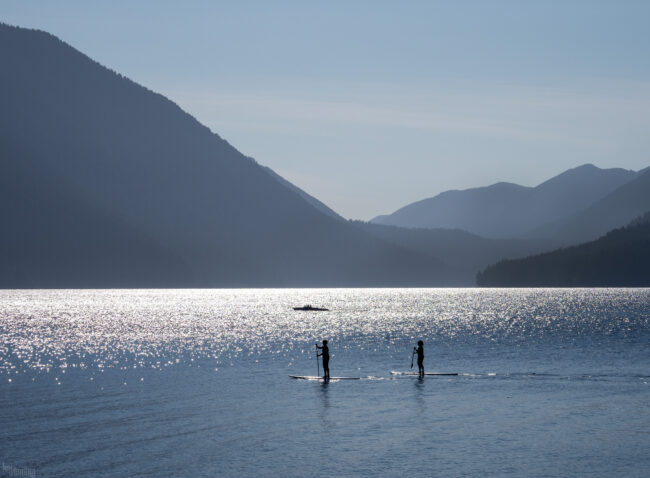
<point>619,258</point>
<point>73,133</point>
<point>104,183</point>
<point>614,210</point>
<point>506,210</point>
<point>467,252</point>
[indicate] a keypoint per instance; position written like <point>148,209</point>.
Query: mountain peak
<point>154,196</point>
<point>587,173</point>
<point>506,209</point>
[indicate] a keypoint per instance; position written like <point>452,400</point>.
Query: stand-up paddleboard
<point>426,373</point>
<point>314,377</point>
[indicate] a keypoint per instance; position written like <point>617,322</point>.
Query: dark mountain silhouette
<point>51,236</point>
<point>508,210</point>
<point>614,210</point>
<point>107,165</point>
<point>621,258</point>
<point>467,252</point>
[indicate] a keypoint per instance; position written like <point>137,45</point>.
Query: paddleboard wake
<point>426,373</point>
<point>314,377</point>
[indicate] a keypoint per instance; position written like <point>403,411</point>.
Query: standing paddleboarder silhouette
<point>420,351</point>
<point>326,359</point>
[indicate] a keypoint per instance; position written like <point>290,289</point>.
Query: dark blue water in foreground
<point>195,383</point>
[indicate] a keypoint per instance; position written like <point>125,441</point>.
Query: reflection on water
<point>169,383</point>
<point>62,330</point>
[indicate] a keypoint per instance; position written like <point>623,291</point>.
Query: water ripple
<point>59,331</point>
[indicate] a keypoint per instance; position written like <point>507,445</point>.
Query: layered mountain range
<point>619,258</point>
<point>506,210</point>
<point>104,183</point>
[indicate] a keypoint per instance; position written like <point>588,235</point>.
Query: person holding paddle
<point>326,359</point>
<point>420,351</point>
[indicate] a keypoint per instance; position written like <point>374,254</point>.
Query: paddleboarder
<point>326,359</point>
<point>420,351</point>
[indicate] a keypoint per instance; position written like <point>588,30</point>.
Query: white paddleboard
<point>426,373</point>
<point>314,377</point>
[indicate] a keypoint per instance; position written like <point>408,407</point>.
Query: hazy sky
<point>371,105</point>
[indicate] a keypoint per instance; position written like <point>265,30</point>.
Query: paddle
<point>412,355</point>
<point>317,364</point>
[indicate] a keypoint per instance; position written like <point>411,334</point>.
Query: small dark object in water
<point>309,307</point>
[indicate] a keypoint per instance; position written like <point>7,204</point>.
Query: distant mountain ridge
<point>104,183</point>
<point>113,185</point>
<point>620,258</point>
<point>466,252</point>
<point>614,210</point>
<point>507,210</point>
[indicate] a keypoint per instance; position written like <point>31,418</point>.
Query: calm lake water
<point>553,382</point>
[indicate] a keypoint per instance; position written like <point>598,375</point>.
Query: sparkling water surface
<point>552,382</point>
